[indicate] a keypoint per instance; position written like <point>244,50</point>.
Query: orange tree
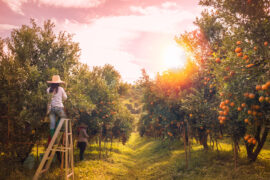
<point>95,101</point>
<point>163,115</point>
<point>238,33</point>
<point>33,54</point>
<point>201,101</point>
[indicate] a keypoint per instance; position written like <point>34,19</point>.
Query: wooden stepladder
<point>66,147</point>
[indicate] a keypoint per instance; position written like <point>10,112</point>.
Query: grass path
<point>145,159</point>
<point>140,158</point>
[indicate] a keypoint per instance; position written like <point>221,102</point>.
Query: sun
<point>173,57</point>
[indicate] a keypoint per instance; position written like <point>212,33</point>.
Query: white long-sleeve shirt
<point>58,98</point>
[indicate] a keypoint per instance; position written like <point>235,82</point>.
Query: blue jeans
<point>56,114</point>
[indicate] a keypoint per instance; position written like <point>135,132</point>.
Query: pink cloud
<point>16,5</point>
<point>71,3</point>
<point>128,34</point>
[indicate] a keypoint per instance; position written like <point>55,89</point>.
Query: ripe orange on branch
<point>238,42</point>
<point>249,65</point>
<point>238,50</point>
<point>251,95</point>
<point>218,60</point>
<point>245,57</point>
<point>258,87</point>
<point>247,137</point>
<point>239,54</point>
<point>261,99</point>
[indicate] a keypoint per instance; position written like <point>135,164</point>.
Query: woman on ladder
<point>55,106</point>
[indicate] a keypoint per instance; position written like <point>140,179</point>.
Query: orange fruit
<point>247,137</point>
<point>243,105</point>
<point>218,60</point>
<point>261,99</point>
<point>251,95</point>
<point>255,48</point>
<point>238,42</point>
<point>249,112</point>
<point>245,57</point>
<point>250,140</point>
<point>246,94</point>
<point>257,107</point>
<point>238,50</point>
<point>254,141</point>
<point>239,54</point>
<point>258,87</point>
<point>249,65</point>
<point>190,115</point>
<point>264,87</point>
<point>267,84</point>
<point>227,101</point>
<point>239,109</point>
<point>265,43</point>
<point>232,104</point>
<point>246,121</point>
<point>226,78</point>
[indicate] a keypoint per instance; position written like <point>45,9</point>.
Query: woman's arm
<point>84,132</point>
<point>64,95</point>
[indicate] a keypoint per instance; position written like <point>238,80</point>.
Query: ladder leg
<point>71,150</point>
<point>68,150</point>
<point>47,152</point>
<point>66,153</point>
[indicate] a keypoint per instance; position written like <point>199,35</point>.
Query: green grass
<point>147,158</point>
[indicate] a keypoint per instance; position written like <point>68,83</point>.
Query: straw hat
<point>56,79</point>
<point>83,125</point>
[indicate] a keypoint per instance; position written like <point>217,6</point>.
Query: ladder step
<point>61,149</point>
<point>69,175</point>
<point>44,170</point>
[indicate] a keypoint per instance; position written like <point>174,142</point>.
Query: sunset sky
<point>129,34</point>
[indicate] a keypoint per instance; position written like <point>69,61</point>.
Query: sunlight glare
<point>173,57</point>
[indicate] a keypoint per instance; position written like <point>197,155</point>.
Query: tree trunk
<point>185,146</point>
<point>203,139</point>
<point>252,155</point>
<point>235,150</point>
